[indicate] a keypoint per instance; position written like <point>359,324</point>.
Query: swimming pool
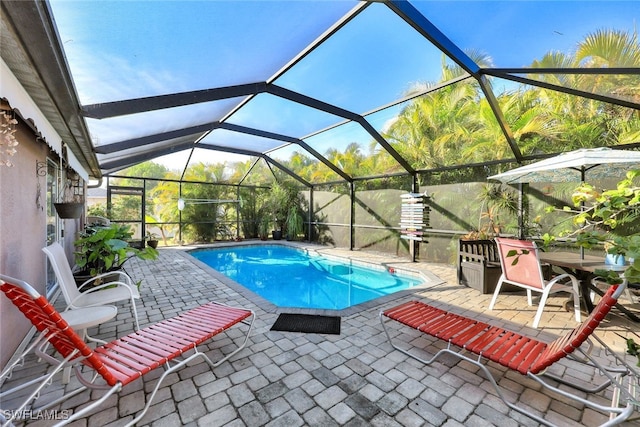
<point>291,277</point>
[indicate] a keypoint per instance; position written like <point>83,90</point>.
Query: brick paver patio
<point>352,379</point>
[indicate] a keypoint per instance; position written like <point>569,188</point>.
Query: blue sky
<point>516,32</point>
<point>128,49</point>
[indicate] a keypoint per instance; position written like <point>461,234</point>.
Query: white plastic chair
<point>521,267</point>
<point>85,296</point>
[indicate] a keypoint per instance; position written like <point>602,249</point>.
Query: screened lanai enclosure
<point>221,120</point>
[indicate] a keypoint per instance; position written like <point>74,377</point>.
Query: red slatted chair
<point>527,355</point>
<point>171,343</point>
<point>521,267</point>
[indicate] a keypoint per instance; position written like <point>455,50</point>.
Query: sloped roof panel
<point>375,59</point>
<point>240,141</point>
<point>252,76</point>
<point>275,114</point>
<point>131,49</point>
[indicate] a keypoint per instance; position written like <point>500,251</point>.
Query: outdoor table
<point>583,268</point>
<point>80,319</point>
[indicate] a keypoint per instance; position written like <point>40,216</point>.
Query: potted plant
<point>101,249</point>
<point>614,255</point>
<point>154,221</point>
<point>277,203</point>
<point>152,239</point>
<point>478,262</point>
<point>608,218</point>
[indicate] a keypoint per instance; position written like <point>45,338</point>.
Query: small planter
<point>276,234</point>
<point>152,243</point>
<point>136,244</point>
<point>613,259</point>
<point>69,210</point>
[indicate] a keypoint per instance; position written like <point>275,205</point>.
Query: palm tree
<point>432,129</point>
<point>583,122</point>
<point>612,49</point>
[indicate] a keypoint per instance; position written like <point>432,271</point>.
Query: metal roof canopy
<point>32,26</point>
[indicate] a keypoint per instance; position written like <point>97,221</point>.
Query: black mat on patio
<point>309,323</point>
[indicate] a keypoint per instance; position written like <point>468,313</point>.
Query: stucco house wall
<point>22,233</point>
<point>23,230</point>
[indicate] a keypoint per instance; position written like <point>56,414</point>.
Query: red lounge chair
<point>527,355</point>
<point>171,343</point>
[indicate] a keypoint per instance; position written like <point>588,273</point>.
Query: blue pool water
<point>289,277</point>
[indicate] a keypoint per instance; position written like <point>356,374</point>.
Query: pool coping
<point>381,262</point>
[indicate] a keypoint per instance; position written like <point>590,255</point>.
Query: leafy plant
<point>278,202</point>
<point>151,236</point>
<point>263,226</point>
<point>633,348</point>
<point>496,201</point>
<point>295,222</point>
<point>101,249</point>
<point>609,218</point>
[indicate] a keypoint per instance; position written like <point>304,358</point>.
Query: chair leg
<point>576,300</point>
<point>496,292</point>
<point>629,296</point>
<point>529,297</point>
<point>135,313</point>
<point>543,301</point>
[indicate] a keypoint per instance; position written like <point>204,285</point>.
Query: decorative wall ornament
<point>41,170</point>
<point>8,142</point>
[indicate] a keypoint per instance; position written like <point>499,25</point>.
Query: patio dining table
<point>583,268</point>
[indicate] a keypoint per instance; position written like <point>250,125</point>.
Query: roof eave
<point>37,61</point>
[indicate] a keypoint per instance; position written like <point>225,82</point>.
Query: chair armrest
<point>132,293</point>
<point>127,282</point>
<point>124,277</point>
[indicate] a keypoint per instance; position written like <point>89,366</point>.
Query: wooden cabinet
<point>479,265</point>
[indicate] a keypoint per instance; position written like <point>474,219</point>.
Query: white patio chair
<point>87,295</point>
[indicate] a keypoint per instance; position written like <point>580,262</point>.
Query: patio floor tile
<point>355,378</point>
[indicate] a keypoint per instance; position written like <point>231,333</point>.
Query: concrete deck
<point>352,379</point>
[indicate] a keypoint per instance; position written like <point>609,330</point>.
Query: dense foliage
<point>608,219</point>
<point>101,249</point>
